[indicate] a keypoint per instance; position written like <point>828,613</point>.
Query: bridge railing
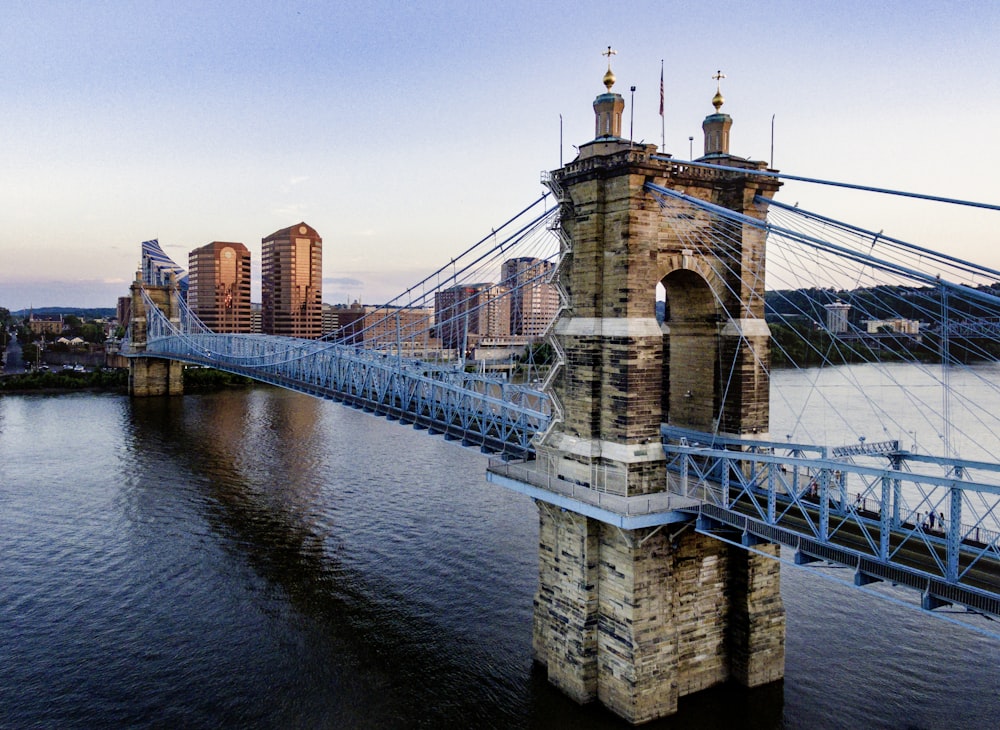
<point>498,415</point>
<point>870,513</point>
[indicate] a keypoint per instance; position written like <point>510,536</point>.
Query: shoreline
<point>110,380</point>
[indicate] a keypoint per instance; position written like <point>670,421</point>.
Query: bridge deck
<point>629,513</point>
<point>914,563</point>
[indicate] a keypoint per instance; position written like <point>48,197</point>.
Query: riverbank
<point>113,380</point>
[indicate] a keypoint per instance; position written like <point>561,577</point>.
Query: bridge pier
<point>639,618</point>
<point>153,376</point>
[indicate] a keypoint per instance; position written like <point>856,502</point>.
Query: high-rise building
<point>386,327</point>
<point>219,286</point>
<point>837,318</point>
<point>465,313</point>
<point>292,282</point>
<point>533,301</point>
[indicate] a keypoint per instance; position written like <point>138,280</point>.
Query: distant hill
<point>81,312</point>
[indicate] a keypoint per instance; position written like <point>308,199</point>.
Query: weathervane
<point>718,100</point>
<point>609,77</point>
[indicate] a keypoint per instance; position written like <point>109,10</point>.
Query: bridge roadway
<point>918,556</point>
<point>914,561</point>
<point>497,416</point>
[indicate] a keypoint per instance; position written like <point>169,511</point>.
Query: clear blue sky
<point>405,132</point>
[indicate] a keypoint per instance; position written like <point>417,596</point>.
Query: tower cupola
<point>608,107</point>
<point>716,126</point>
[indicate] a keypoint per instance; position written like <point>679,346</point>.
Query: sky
<point>405,132</point>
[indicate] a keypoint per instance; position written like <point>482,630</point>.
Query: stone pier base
<point>637,619</point>
<point>150,376</point>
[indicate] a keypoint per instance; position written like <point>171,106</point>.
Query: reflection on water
<point>266,559</point>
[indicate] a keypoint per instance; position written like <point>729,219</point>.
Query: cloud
<point>290,210</point>
<point>343,281</point>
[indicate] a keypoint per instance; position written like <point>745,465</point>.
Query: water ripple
<point>264,559</point>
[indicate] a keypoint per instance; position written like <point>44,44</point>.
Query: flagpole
<point>663,128</point>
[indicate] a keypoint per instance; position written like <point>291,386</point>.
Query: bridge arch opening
<point>690,351</point>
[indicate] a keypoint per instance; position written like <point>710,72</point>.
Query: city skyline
<point>406,134</point>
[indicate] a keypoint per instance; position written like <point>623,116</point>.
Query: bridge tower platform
<point>153,376</point>
<point>636,618</point>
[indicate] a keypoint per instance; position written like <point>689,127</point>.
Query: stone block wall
<point>757,631</point>
<point>638,619</point>
<point>565,624</point>
<point>150,376</point>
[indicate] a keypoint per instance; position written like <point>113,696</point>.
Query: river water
<point>265,559</point>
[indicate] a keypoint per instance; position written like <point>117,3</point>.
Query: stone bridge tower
<point>152,376</point>
<point>637,618</point>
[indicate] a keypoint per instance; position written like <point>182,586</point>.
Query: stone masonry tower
<point>152,376</point>
<point>637,618</point>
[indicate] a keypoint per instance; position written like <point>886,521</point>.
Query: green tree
<point>92,332</point>
<point>29,353</point>
<point>71,325</point>
<point>6,324</point>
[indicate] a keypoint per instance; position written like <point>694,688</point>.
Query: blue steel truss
<point>875,519</point>
<point>496,415</point>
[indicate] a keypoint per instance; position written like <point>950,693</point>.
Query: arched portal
<point>690,352</point>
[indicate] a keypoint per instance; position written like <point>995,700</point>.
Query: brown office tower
<point>291,282</point>
<point>466,313</point>
<point>534,302</point>
<point>219,286</point>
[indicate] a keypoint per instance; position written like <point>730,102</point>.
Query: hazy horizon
<point>403,134</point>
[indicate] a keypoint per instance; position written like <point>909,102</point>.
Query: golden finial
<point>718,100</point>
<point>609,77</point>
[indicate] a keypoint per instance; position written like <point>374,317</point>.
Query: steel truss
<point>498,416</point>
<point>873,519</point>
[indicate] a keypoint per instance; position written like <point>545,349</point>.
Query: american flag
<point>661,88</point>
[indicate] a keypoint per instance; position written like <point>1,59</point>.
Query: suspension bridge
<point>686,388</point>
